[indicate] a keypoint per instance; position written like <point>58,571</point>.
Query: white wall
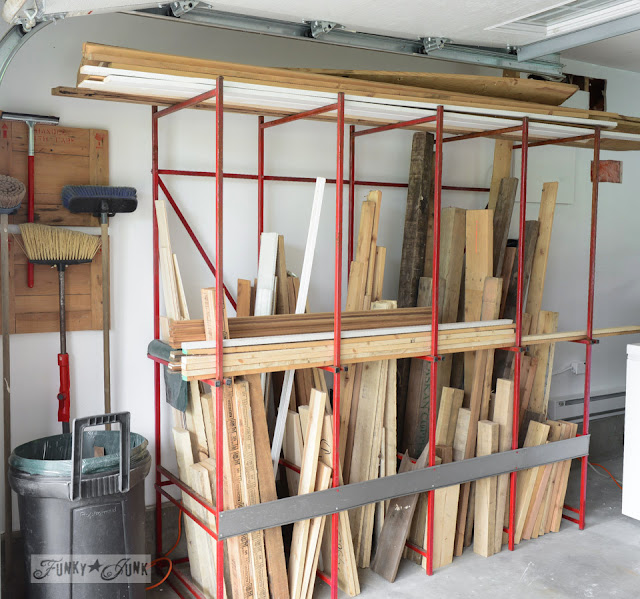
<point>52,57</point>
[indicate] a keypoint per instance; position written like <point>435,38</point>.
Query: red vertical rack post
<point>260,179</point>
<point>337,333</point>
<point>595,184</point>
<point>434,358</point>
<point>519,301</point>
<point>156,325</point>
<point>220,381</point>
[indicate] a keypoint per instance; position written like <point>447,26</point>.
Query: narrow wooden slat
<point>540,260</point>
<point>421,173</point>
<point>503,416</point>
<point>502,215</point>
<point>396,525</point>
<point>537,434</point>
<point>308,472</point>
<point>478,266</point>
<point>485,500</point>
<point>547,323</point>
<point>276,563</point>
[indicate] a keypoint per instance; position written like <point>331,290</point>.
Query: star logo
<point>95,566</point>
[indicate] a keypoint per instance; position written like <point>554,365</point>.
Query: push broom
<point>103,202</point>
<point>59,247</point>
<point>12,192</point>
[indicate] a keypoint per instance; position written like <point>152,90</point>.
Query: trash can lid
<point>51,456</point>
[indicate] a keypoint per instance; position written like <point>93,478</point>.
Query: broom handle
<point>64,395</point>
<point>6,388</point>
<point>106,313</point>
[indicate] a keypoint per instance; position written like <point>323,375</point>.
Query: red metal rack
<point>164,478</point>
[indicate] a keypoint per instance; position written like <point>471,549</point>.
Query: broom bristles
<point>42,242</point>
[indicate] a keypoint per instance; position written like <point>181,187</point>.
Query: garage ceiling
<point>499,23</point>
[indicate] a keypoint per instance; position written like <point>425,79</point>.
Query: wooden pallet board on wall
<point>36,310</point>
<point>64,156</point>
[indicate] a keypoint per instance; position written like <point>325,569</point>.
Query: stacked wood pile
<point>478,282</point>
<point>385,400</point>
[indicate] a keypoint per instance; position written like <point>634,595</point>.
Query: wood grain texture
<point>502,216</point>
<point>420,189</point>
<point>485,500</point>
<point>396,525</point>
<point>478,266</point>
<point>502,155</point>
<point>541,256</point>
<point>547,323</point>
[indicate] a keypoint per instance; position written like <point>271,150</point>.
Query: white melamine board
<point>301,304</point>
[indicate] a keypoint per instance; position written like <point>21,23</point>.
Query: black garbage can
<point>82,517</point>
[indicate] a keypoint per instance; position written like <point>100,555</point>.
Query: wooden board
<point>561,487</point>
<point>417,407</point>
<point>503,416</point>
<point>490,300</point>
<point>502,216</point>
<point>547,323</point>
<point>37,310</point>
<point>396,525</point>
<point>537,434</point>
<point>238,548</point>
<point>485,500</point>
<point>347,569</point>
<point>308,473</point>
<point>502,156</point>
<point>478,266</point>
<point>249,485</point>
<point>513,88</point>
<point>414,240</point>
<point>541,257</point>
<point>63,156</point>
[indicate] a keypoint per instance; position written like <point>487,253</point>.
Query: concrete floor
<point>601,561</point>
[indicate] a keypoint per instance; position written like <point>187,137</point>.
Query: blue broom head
<point>99,199</point>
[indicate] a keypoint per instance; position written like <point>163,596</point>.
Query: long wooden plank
<point>199,477</point>
<point>420,187</point>
<point>543,482</point>
<point>396,525</point>
<point>376,198</point>
<point>485,500</point>
<point>347,570</point>
<point>239,548</point>
<point>540,260</point>
<point>502,216</point>
<point>537,434</point>
<point>478,266</point>
<point>184,455</point>
<point>301,305</point>
<point>547,323</point>
<point>513,88</point>
<point>502,154</point>
<point>503,416</point>
<point>308,473</point>
<point>316,530</point>
<point>249,485</point>
<point>276,563</point>
<point>563,481</point>
<point>417,405</point>
<point>490,299</point>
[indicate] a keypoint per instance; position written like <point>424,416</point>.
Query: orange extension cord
<point>165,557</point>
<point>609,473</point>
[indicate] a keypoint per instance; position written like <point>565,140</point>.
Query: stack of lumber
<point>368,399</point>
<point>126,75</point>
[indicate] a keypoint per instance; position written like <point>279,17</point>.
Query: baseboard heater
<point>601,406</point>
